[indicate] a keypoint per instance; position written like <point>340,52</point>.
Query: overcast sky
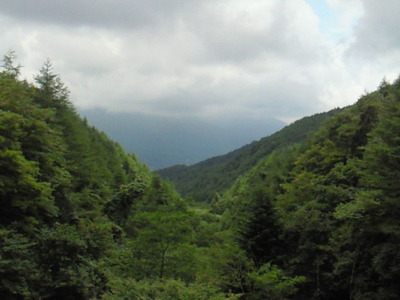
<point>209,58</point>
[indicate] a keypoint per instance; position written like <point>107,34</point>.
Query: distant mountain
<point>161,142</point>
<point>203,180</point>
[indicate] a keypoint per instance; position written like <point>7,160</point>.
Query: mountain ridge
<point>203,180</point>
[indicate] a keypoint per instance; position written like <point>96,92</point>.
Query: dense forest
<point>314,216</point>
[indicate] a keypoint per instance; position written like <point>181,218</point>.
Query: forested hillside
<point>327,210</point>
<point>313,218</point>
<point>81,219</point>
<point>204,180</point>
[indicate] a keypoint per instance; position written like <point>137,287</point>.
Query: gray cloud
<point>374,52</point>
<point>205,58</point>
<point>101,13</point>
<point>377,33</point>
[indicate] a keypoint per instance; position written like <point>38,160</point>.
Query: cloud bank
<point>209,59</point>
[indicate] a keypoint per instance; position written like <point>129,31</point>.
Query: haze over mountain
<point>161,142</point>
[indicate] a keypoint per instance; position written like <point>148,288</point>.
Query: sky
<point>210,59</point>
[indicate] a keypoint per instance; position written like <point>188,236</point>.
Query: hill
<point>326,210</point>
<point>202,181</point>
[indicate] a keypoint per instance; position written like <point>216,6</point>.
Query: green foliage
<point>28,157</point>
<point>269,282</point>
<point>18,269</point>
<point>371,219</point>
<point>327,210</point>
<point>119,207</point>
<point>66,265</point>
<point>167,290</point>
<point>77,213</point>
<point>160,243</point>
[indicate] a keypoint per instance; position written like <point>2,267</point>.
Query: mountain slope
<point>203,180</point>
<point>81,219</point>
